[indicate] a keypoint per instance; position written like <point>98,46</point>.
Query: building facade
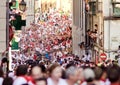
<point>111,20</point>
<point>102,18</point>
<point>3,26</point>
<point>78,26</point>
<point>95,23</point>
<point>106,15</point>
<point>30,12</point>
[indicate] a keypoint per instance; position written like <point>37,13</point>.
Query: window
<point>93,7</point>
<point>116,8</point>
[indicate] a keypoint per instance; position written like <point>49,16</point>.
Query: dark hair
<point>43,68</point>
<point>7,81</point>
<point>88,30</point>
<point>21,70</point>
<point>4,60</point>
<point>71,63</point>
<point>119,46</point>
<point>25,84</point>
<point>104,69</point>
<point>89,80</point>
<point>42,79</point>
<point>1,72</point>
<point>98,73</point>
<point>113,73</point>
<point>96,25</point>
<point>63,74</point>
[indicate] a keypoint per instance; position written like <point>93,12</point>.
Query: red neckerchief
<point>28,78</point>
<point>81,82</point>
<point>104,80</point>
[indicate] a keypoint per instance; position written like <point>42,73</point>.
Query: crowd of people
<point>45,57</point>
<point>69,72</point>
<point>50,37</point>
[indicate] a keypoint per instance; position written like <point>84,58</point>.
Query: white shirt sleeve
<point>19,81</point>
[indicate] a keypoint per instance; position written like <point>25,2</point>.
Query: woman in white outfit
<point>55,75</point>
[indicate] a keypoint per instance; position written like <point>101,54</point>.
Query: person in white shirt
<point>55,75</point>
<point>83,58</point>
<point>21,78</point>
<point>88,57</point>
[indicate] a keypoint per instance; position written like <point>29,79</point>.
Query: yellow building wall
<point>64,5</point>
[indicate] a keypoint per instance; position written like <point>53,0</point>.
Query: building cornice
<point>111,17</point>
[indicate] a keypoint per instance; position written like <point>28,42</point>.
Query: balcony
<point>115,1</point>
<point>92,1</point>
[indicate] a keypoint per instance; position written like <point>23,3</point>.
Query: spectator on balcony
<point>88,38</point>
<point>88,56</point>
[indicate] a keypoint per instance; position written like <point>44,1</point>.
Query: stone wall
<point>29,12</point>
<point>2,26</point>
<point>78,26</point>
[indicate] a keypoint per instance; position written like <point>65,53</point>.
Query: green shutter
<point>16,6</point>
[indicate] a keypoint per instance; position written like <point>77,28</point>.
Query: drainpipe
<point>34,11</point>
<point>7,23</point>
<point>109,32</point>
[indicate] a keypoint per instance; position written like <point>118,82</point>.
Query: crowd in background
<point>50,37</point>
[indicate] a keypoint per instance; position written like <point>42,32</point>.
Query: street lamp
<point>22,5</point>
